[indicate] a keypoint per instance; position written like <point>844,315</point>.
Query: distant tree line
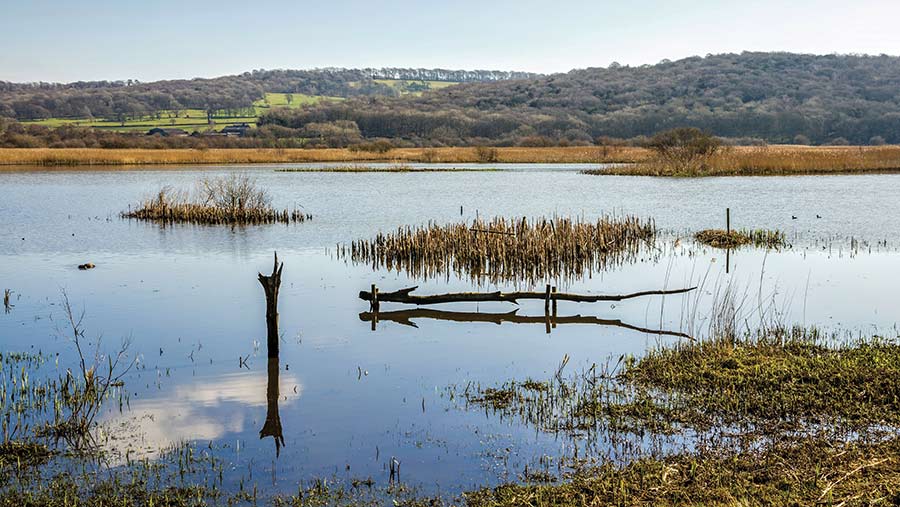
<point>119,100</point>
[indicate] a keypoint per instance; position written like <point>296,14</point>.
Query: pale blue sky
<point>52,40</point>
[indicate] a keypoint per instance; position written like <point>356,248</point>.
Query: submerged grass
<point>719,238</point>
<point>23,453</point>
<point>506,249</point>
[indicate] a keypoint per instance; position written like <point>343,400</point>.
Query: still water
<point>350,398</point>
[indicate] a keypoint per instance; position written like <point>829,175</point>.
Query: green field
<point>187,119</point>
<point>195,119</point>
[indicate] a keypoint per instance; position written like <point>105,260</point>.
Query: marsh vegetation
<point>502,249</point>
<point>234,199</point>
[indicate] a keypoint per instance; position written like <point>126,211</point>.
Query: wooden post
<point>728,220</point>
<point>553,290</point>
<point>373,304</point>
<point>271,284</point>
<point>547,301</point>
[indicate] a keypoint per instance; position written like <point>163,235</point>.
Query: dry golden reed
<point>507,249</point>
<point>776,160</point>
<point>119,157</point>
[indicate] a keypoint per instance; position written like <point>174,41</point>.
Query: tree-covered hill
<point>115,99</point>
<point>777,97</point>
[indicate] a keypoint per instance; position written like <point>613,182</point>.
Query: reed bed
<point>775,161</point>
<point>125,157</point>
<point>507,249</point>
<point>720,238</point>
<point>233,200</point>
<point>162,211</point>
<point>358,168</point>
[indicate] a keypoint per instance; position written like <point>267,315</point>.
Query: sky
<point>62,41</point>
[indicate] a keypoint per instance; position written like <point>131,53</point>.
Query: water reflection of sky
<point>203,409</point>
<point>189,299</point>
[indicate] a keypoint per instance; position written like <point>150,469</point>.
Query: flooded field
<point>358,397</point>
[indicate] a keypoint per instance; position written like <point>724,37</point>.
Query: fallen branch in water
<point>404,296</point>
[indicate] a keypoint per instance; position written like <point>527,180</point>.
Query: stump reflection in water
<point>272,426</point>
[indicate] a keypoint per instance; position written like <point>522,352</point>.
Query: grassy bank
<point>77,157</point>
<point>784,419</point>
<point>776,161</point>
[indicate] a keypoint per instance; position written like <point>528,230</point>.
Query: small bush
<point>486,154</point>
<point>684,147</point>
<point>379,146</point>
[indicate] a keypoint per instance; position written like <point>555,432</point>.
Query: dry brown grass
<point>119,157</point>
<point>778,160</point>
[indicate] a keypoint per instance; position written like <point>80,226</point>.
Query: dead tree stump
<point>271,284</point>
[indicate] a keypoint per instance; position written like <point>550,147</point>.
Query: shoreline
<point>52,157</point>
<point>773,160</point>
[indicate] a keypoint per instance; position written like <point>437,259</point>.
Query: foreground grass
<point>780,380</point>
<point>118,157</point>
<point>719,238</point>
<point>808,422</point>
<point>776,161</point>
<point>805,471</point>
<point>782,420</point>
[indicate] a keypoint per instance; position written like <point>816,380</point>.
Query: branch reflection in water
<point>406,318</point>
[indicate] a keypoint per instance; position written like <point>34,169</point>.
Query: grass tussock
<point>507,249</point>
<point>14,453</point>
<point>719,238</point>
<point>235,199</point>
<point>773,161</point>
<point>119,157</point>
